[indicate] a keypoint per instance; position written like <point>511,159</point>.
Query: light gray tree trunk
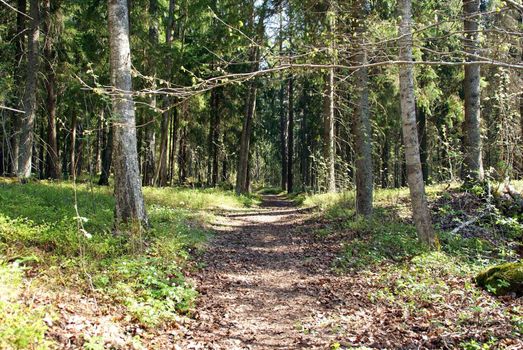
<point>421,213</point>
<point>362,127</point>
<point>130,206</point>
<point>328,119</point>
<point>473,164</point>
<point>27,125</point>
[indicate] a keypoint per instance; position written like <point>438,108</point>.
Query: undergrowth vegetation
<point>42,235</point>
<point>418,281</point>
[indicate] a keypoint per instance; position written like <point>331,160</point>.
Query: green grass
<point>21,325</point>
<point>409,277</point>
<point>143,271</point>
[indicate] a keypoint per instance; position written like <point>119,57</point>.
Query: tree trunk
<point>129,206</point>
<point>421,213</point>
<point>423,152</point>
<point>52,160</point>
<point>162,176</point>
<point>283,136</point>
<point>328,132</point>
<point>214,144</point>
<point>290,139</point>
<point>329,121</point>
<point>472,162</point>
<point>243,162</point>
<point>18,75</point>
<point>72,147</point>
<point>27,125</point>
<point>150,128</point>
<point>362,128</point>
<point>107,156</point>
<point>242,177</point>
<point>283,115</point>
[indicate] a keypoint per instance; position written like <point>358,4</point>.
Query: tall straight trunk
<point>329,120</point>
<point>290,133</point>
<point>422,133</point>
<point>214,139</point>
<point>18,75</point>
<point>27,125</point>
<point>385,156</point>
<point>472,163</point>
<point>52,160</point>
<point>97,159</point>
<point>80,144</point>
<point>283,136</point>
<point>162,173</point>
<point>72,147</point>
<point>150,128</point>
<point>242,182</point>
<point>182,156</point>
<point>361,127</point>
<point>127,185</point>
<point>420,209</point>
<point>328,132</point>
<point>107,156</point>
<point>283,115</point>
<point>173,138</point>
<point>243,176</point>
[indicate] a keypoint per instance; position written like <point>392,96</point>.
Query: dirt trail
<point>263,280</point>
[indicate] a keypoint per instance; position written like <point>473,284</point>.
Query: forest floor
<point>270,282</point>
<point>219,271</point>
<point>263,277</point>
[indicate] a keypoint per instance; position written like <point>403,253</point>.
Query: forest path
<point>264,279</point>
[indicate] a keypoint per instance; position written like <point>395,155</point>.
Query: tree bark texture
<point>129,206</point>
<point>421,213</point>
<point>472,163</point>
<point>27,125</point>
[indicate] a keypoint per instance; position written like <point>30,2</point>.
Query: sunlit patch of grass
<point>21,326</point>
<point>142,270</point>
<point>209,198</point>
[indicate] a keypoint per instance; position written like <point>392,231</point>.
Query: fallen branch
<point>467,223</point>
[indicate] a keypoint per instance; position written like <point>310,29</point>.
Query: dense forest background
<point>191,67</point>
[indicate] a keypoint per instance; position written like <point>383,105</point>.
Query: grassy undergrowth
<point>42,236</point>
<point>422,282</point>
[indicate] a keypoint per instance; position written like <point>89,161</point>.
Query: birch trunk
<point>130,206</point>
<point>421,213</point>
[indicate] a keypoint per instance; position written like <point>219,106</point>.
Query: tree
<point>127,185</point>
<point>328,126</point>
<point>242,177</point>
<point>27,125</point>
<point>361,127</point>
<point>51,30</point>
<point>421,213</point>
<point>290,133</point>
<point>473,164</point>
<point>150,129</point>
